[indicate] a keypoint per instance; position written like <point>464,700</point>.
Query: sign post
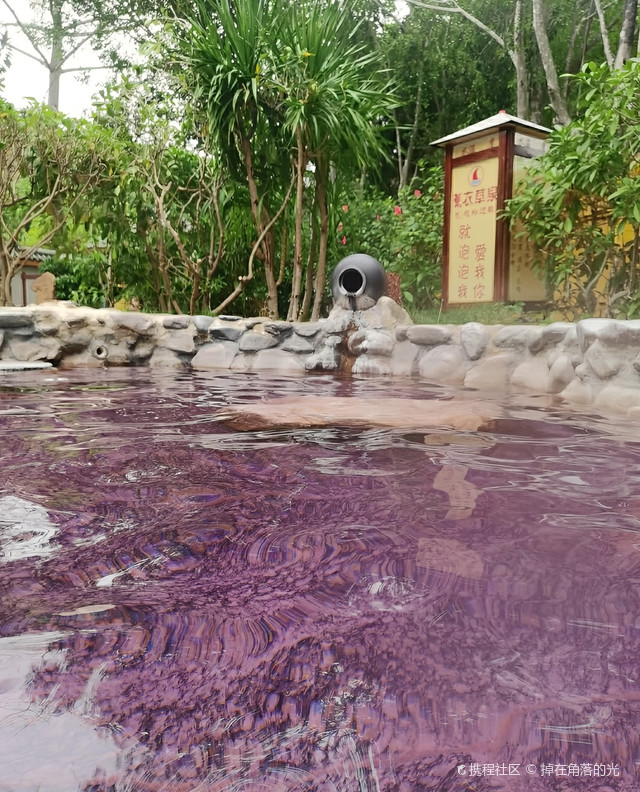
<point>483,260</point>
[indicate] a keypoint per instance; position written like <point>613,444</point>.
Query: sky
<point>26,78</point>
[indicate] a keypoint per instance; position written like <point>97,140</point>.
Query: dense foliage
<point>213,176</point>
<point>581,202</point>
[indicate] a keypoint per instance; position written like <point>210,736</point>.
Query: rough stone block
<point>617,399</point>
<point>474,339</point>
<point>325,359</point>
<point>179,341</point>
<point>561,373</point>
<point>491,373</point>
<point>202,323</point>
<point>77,342</point>
<point>81,360</point>
<point>444,364</point>
<point>143,324</point>
<point>165,358</point>
<point>45,348</point>
<point>403,361</point>
<point>277,360</point>
<point>279,329</point>
<point>429,335</point>
<point>225,333</point>
<point>603,361</point>
<point>297,345</point>
<point>217,354</point>
<point>338,321</point>
<point>242,362</point>
<point>44,287</point>
<point>372,365</point>
<point>307,329</point>
<point>532,374</point>
<point>517,337</point>
<point>589,329</point>
<point>373,342</point>
<point>552,335</point>
<point>252,341</point>
<point>179,322</point>
<point>578,392</point>
<point>15,317</point>
<point>385,314</point>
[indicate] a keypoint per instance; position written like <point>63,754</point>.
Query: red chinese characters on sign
<point>472,232</point>
<point>482,195</point>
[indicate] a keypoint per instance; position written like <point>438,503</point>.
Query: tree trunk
<point>520,63</point>
<point>6,276</point>
<point>296,283</point>
<point>604,33</point>
<point>544,48</point>
<point>261,221</point>
<point>313,252</point>
<point>268,263</point>
<point>404,170</point>
<point>627,34</point>
<point>57,56</point>
<point>322,173</point>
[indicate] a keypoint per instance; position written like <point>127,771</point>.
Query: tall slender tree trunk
<point>627,34</point>
<point>296,283</point>
<point>417,112</point>
<point>6,276</point>
<point>261,221</point>
<point>311,258</point>
<point>544,48</point>
<point>322,174</point>
<point>57,56</point>
<point>520,64</point>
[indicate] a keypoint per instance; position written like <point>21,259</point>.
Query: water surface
<point>184,607</point>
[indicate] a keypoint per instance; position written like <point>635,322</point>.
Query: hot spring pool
<point>184,607</point>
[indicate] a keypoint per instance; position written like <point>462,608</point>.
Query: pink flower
<point>378,217</point>
<point>340,226</point>
<point>397,209</point>
<point>417,193</point>
<point>343,241</point>
<point>345,207</point>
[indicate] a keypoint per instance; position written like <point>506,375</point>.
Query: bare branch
<point>452,7</point>
<point>83,69</point>
<point>244,279</point>
<point>25,29</point>
<point>604,33</point>
<point>26,54</point>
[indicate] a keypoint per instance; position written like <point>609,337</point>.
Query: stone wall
<point>592,362</point>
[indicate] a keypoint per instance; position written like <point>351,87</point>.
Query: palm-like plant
<point>334,95</point>
<point>284,85</point>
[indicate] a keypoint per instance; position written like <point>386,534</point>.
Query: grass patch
<point>485,313</point>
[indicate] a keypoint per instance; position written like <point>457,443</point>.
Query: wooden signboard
<point>483,260</point>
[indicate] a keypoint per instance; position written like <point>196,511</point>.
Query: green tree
<point>334,93</point>
<point>283,86</point>
<point>544,40</point>
<point>61,31</point>
<point>48,166</point>
<point>580,202</point>
<point>163,215</point>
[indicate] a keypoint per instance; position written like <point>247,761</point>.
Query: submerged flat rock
<point>317,411</point>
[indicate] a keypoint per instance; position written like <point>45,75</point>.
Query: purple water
<point>184,607</point>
